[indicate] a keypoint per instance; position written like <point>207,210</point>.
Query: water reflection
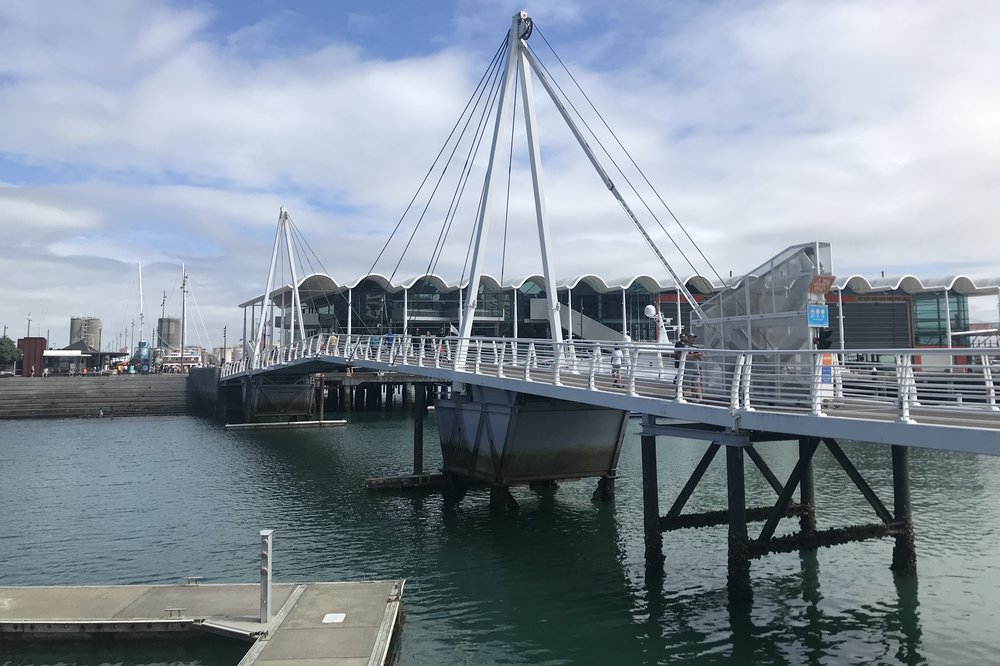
<point>562,581</point>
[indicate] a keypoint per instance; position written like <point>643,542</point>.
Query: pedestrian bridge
<point>932,398</point>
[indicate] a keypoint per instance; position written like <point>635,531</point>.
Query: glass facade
<point>872,320</point>
<point>930,314</point>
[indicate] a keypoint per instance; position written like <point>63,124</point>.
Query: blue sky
<point>171,131</point>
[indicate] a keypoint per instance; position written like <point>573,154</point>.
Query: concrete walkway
<point>328,623</point>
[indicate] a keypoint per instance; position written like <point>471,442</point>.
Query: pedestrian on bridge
<point>616,366</point>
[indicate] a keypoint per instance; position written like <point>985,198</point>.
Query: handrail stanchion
<point>991,391</point>
<point>556,364</point>
<point>595,356</point>
<point>817,378</point>
<point>902,388</point>
<point>745,383</point>
<point>734,393</point>
<point>838,377</point>
<point>633,364</point>
<point>679,397</point>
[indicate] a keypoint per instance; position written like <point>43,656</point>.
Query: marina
<point>794,464</point>
<point>563,580</point>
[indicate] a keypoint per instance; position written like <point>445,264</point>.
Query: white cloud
<point>147,132</point>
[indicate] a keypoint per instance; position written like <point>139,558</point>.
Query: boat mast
<point>142,316</point>
<point>184,278</point>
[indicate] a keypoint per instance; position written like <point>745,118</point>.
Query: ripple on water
<point>563,581</point>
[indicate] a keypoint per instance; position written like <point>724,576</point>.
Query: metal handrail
<point>803,381</point>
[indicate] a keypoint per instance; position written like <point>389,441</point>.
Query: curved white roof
<point>911,284</point>
<point>321,283</point>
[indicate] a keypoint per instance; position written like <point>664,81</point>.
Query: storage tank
<point>168,333</point>
<point>87,329</point>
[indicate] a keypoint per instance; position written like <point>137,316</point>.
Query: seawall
<point>121,395</point>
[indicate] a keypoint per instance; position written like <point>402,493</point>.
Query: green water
<point>102,501</point>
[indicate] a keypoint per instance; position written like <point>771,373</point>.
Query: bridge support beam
<point>738,575</point>
<point>807,488</point>
<point>605,491</point>
<point>651,504</point>
<point>419,410</point>
<point>904,555</point>
<point>501,501</point>
<point>742,548</point>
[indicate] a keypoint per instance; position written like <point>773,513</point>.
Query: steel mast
<point>519,30</point>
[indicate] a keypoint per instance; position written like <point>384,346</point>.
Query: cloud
<point>148,132</point>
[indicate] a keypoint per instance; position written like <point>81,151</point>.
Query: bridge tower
<point>278,396</point>
<point>523,62</point>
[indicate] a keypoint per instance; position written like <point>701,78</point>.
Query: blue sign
<point>817,316</point>
<point>826,375</point>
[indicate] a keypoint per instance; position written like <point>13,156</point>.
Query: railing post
<point>734,393</point>
<point>556,363</point>
<point>479,357</point>
<point>501,358</point>
<point>266,567</point>
<point>817,379</point>
<point>902,387</point>
<point>991,391</point>
<point>631,372</point>
<point>595,358</point>
<point>745,383</point>
<point>680,376</point>
<point>838,376</point>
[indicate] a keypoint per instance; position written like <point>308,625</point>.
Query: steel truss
<point>742,548</point>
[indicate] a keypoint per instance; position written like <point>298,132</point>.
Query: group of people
<point>692,365</point>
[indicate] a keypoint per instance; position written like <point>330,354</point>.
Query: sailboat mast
<point>183,313</point>
<point>142,316</point>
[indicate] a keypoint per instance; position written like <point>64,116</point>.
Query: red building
<point>31,355</point>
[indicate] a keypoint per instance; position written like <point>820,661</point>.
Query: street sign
<point>820,284</point>
<point>817,316</point>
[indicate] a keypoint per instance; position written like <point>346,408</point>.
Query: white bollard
<point>266,540</point>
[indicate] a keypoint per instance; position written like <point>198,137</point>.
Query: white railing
<point>902,383</point>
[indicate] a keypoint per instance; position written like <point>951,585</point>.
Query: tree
<point>8,351</point>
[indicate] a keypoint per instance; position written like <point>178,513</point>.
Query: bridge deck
<point>934,398</point>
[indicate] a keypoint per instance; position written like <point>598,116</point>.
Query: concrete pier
<point>313,622</point>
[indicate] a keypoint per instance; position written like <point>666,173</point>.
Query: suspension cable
<point>629,155</point>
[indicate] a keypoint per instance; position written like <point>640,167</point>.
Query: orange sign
<point>821,284</point>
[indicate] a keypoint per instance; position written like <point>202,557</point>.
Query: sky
<point>171,132</point>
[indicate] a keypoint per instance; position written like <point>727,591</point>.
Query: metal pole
<point>840,317</point>
<point>541,210</point>
<point>266,564</point>
<point>350,309</point>
<point>569,306</point>
<point>738,579</point>
<point>419,409</point>
<point>406,309</point>
<point>807,489</point>
<point>651,503</point>
<point>517,291</point>
<point>624,315</point>
<point>183,313</point>
<point>518,23</point>
<point>904,555</point>
<point>947,314</point>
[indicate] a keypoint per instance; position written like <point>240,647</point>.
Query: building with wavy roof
<point>884,312</point>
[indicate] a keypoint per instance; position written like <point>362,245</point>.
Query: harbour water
<point>153,500</point>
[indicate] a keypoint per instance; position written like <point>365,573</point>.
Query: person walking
<point>616,366</point>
